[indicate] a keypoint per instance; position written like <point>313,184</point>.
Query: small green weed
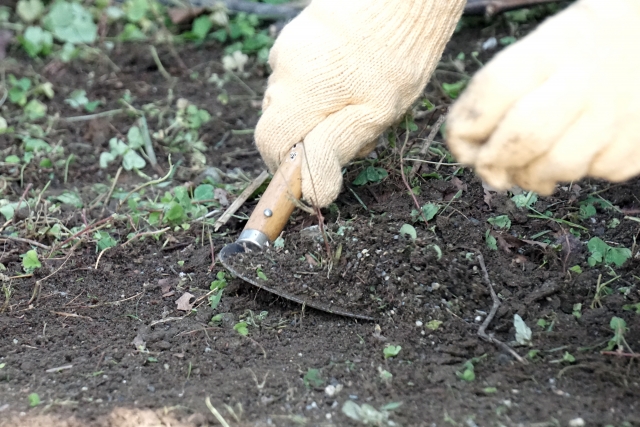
<point>501,222</point>
<point>618,342</point>
<point>313,378</point>
<point>408,230</point>
<point>391,351</point>
<point>217,286</point>
<point>601,252</point>
<point>30,261</point>
<point>34,399</point>
<point>370,174</point>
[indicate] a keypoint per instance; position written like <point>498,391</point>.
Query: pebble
<point>490,43</point>
<point>576,422</point>
<point>418,323</point>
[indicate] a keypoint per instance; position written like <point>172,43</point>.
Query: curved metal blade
<point>235,249</point>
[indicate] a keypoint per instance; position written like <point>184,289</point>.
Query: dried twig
<point>237,203</point>
<point>496,303</point>
<point>60,313</point>
<point>147,233</point>
<point>427,143</point>
<point>406,182</point>
<point>215,413</point>
<point>27,241</point>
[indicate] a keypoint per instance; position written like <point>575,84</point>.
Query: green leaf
<point>433,324</point>
<point>175,214</point>
<point>617,324</point>
<point>617,256</point>
<point>568,357</point>
<point>105,159</point>
<point>69,198</point>
<point>36,145</point>
<point>576,269</point>
<point>204,192</point>
<point>132,160</point>
<point>241,328</point>
<point>214,300</point>
<point>46,163</point>
<point>35,110</point>
<point>34,399</point>
<point>577,310</point>
<point>501,221</point>
<point>492,243</point>
<point>391,351</point>
<point>71,22</point>
<point>632,307</point>
<point>134,137</point>
<point>77,99</point>
<point>261,274</point>
<point>29,10</point>
<point>117,146</point>
<point>312,378</point>
<point>408,230</point>
<point>36,41</point>
<point>468,374</point>
<point>587,211</point>
<point>136,9</point>
<point>201,27</point>
<point>615,222</point>
<point>7,211</point>
<point>30,261</point>
<point>104,240</point>
<point>505,41</point>
<point>453,89</point>
<point>429,211</point>
<point>12,159</point>
<point>370,174</point>
<point>91,106</point>
<point>279,242</point>
<point>131,33</point>
<point>525,200</point>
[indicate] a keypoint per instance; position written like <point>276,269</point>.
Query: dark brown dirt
<point>113,330</point>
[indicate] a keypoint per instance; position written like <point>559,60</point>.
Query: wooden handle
<point>277,202</point>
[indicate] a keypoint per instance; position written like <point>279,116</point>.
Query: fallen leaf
<point>139,343</point>
<point>487,197</point>
<point>165,285</point>
<point>168,294</point>
<point>220,195</point>
<point>183,302</point>
<point>506,241</point>
<point>184,15</point>
<point>459,184</point>
<point>310,260</point>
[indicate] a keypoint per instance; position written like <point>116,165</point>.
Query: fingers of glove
<point>492,92</point>
<point>510,76</point>
<point>570,156</point>
<point>620,160</point>
<point>284,123</point>
<point>531,127</point>
<point>332,144</point>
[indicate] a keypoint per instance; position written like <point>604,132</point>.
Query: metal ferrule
<point>254,239</point>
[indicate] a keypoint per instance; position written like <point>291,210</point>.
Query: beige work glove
<point>343,71</point>
<point>559,105</point>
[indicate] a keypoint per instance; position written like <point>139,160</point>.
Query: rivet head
<point>268,213</point>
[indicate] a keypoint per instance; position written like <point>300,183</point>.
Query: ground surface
<point>105,335</point>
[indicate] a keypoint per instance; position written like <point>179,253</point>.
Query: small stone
<point>330,390</point>
<point>576,422</point>
<point>418,323</point>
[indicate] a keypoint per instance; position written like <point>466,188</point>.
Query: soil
<point>103,343</point>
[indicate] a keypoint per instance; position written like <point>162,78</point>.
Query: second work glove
<point>343,71</point>
<point>561,104</point>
